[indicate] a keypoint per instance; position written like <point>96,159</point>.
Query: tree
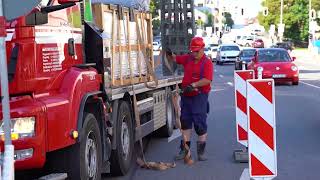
<point>210,19</point>
<point>199,23</point>
<point>228,19</point>
<point>154,7</point>
<point>295,17</point>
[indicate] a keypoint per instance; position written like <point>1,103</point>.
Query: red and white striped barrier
<point>240,90</point>
<point>262,129</point>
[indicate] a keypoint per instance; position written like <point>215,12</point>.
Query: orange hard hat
<point>196,44</point>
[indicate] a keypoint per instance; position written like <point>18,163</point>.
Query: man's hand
<point>188,89</point>
<point>169,55</point>
<point>169,52</point>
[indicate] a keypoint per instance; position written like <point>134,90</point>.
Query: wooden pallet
<point>127,37</point>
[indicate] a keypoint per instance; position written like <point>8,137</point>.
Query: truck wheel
<point>122,156</point>
<point>82,160</point>
<point>167,130</point>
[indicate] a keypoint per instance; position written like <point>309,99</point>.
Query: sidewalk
<point>306,56</point>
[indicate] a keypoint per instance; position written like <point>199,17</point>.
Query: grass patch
<point>301,49</point>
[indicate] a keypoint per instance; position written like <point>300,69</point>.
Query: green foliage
<point>295,17</point>
<point>228,19</point>
<point>199,23</point>
<point>154,7</point>
<point>210,19</point>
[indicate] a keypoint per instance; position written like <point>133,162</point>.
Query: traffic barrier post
<point>240,78</point>
<point>261,129</point>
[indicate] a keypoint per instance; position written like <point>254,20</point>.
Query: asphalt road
<point>297,125</point>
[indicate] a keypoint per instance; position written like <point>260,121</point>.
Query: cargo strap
<point>175,100</point>
<point>141,161</point>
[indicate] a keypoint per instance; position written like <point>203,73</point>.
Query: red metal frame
<point>54,97</point>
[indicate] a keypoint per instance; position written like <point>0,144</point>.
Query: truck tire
<point>167,130</point>
<point>122,156</point>
<point>90,151</point>
<point>82,160</point>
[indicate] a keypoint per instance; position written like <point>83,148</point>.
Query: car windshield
<point>273,56</point>
<point>230,48</point>
<point>248,53</point>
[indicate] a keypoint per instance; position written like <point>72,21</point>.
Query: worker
<point>196,85</point>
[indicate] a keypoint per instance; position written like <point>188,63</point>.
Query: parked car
<point>214,51</point>
<point>207,52</point>
<point>258,43</point>
<point>227,53</point>
<point>285,45</point>
<point>245,57</point>
<point>245,40</point>
<point>156,46</point>
<point>211,51</point>
<point>275,63</point>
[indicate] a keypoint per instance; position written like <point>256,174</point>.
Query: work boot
<point>200,150</point>
<point>183,151</point>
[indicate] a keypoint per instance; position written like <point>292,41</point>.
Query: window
<point>230,48</point>
<point>248,53</point>
<point>273,56</point>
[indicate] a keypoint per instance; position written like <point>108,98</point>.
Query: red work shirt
<point>192,71</point>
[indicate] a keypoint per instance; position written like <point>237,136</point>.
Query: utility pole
<point>281,12</point>
<point>310,28</point>
<point>8,160</point>
<point>281,21</point>
<point>9,10</point>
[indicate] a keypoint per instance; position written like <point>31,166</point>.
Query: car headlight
<point>20,128</point>
<point>294,68</point>
<point>260,68</point>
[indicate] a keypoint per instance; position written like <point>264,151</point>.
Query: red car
<point>275,63</point>
<point>258,43</point>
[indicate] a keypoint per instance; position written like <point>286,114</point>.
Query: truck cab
<point>46,81</point>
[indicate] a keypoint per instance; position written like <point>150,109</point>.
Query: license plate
<point>279,76</point>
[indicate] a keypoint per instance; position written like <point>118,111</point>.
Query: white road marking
<point>156,53</point>
<point>176,133</point>
<point>310,85</point>
<point>245,175</point>
<point>220,75</point>
<point>216,90</point>
<point>230,83</point>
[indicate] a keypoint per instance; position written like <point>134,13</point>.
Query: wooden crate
<point>130,43</point>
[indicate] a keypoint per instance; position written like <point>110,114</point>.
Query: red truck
<point>67,115</point>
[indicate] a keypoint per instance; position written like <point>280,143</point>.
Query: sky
<point>253,5</point>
